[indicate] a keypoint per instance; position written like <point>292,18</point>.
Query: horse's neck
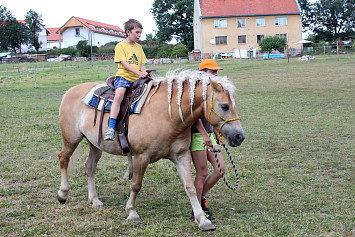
<point>192,113</point>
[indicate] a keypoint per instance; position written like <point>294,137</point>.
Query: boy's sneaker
<point>110,134</point>
<point>204,207</point>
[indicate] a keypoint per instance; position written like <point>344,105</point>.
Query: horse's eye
<point>225,107</point>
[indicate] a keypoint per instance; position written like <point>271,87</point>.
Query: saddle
<point>108,93</point>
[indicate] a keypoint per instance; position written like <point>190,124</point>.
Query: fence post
<point>18,69</point>
<point>109,68</point>
<point>35,79</point>
<point>7,72</point>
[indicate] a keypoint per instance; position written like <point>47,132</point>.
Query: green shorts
<point>197,141</point>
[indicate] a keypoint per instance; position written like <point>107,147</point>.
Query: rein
<point>215,151</point>
<point>225,120</point>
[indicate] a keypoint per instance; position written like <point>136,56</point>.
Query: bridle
<point>219,141</point>
<point>225,120</point>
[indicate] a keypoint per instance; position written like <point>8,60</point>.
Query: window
<point>77,31</point>
<point>281,21</point>
<point>220,23</point>
<point>283,36</point>
<point>241,22</point>
<point>242,39</point>
<point>259,38</point>
<point>260,21</point>
<point>221,40</point>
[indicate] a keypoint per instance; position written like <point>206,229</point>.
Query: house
<point>42,38</point>
<point>96,33</point>
<point>225,26</point>
<point>53,38</point>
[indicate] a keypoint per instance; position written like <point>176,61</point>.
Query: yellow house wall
<point>292,29</point>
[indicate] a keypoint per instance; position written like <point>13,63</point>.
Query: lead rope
<point>215,151</point>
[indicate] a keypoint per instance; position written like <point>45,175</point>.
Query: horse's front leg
<point>91,164</point>
<point>140,165</point>
<point>183,166</point>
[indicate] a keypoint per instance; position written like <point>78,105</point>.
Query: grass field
<point>296,165</point>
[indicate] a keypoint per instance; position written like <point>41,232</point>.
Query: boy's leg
<point>115,109</point>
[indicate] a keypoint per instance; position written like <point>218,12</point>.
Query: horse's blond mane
<point>192,77</point>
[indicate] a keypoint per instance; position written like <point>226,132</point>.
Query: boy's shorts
<point>197,141</point>
<point>121,82</point>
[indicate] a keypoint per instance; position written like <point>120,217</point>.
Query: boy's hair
<point>130,24</point>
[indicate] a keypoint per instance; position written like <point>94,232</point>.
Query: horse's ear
<point>216,86</point>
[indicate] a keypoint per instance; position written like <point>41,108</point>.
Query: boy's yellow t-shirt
<point>133,54</point>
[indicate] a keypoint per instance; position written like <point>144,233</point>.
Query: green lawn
<point>296,164</point>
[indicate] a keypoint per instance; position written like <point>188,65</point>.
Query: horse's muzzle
<point>235,137</point>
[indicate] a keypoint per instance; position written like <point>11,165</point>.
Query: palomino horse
<point>161,130</point>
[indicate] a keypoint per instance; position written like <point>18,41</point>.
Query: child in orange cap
<point>201,132</point>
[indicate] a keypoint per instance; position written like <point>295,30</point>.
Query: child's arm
<point>142,73</point>
<point>203,132</point>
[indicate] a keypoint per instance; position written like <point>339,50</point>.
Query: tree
<point>5,15</point>
<point>14,34</point>
<point>33,22</point>
<point>307,14</point>
<point>333,19</point>
<point>270,43</point>
<point>179,50</point>
<point>174,19</point>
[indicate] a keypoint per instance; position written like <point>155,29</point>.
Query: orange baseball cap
<point>209,64</point>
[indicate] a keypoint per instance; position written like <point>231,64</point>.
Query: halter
<point>225,120</point>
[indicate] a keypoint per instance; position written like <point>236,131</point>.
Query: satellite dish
<point>212,41</point>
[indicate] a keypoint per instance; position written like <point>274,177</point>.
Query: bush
<point>84,50</point>
<point>179,50</point>
<point>164,51</point>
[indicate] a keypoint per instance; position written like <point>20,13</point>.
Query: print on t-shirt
<point>133,60</point>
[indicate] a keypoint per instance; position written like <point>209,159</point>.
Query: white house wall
<point>101,39</point>
<point>70,38</point>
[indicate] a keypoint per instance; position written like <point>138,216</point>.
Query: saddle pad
<point>91,99</point>
<point>137,105</point>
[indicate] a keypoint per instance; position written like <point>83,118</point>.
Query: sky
<point>57,13</point>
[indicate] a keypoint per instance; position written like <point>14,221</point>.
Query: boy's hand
<point>143,74</point>
<point>207,140</point>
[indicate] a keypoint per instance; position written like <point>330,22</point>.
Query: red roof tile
<point>225,8</point>
<point>101,27</point>
<point>53,35</point>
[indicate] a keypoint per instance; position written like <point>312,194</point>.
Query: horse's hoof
<point>135,219</point>
<point>97,204</point>
<point>61,200</point>
<point>207,227</point>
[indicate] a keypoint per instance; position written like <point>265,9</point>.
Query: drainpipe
<point>60,42</point>
<point>202,53</point>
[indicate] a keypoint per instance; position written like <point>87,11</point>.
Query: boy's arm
<point>203,132</point>
<point>142,73</point>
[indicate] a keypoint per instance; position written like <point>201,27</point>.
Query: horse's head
<point>222,114</point>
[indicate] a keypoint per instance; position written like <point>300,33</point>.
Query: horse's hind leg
<point>91,164</point>
<point>64,157</point>
<point>140,164</point>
